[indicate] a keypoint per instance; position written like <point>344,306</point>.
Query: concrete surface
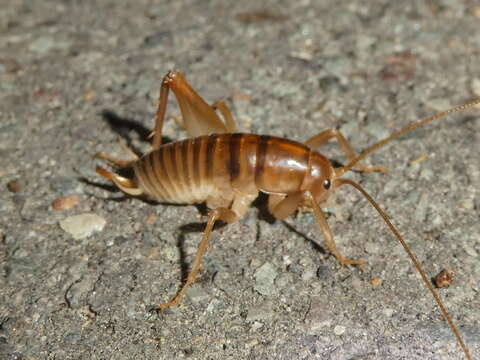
<point>77,77</point>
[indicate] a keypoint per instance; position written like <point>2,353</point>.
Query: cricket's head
<point>320,178</point>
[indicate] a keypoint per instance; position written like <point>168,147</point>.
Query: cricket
<point>227,170</point>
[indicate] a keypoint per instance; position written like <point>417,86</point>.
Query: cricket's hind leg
<point>198,117</point>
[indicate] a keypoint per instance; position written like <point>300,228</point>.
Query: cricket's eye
<point>327,184</point>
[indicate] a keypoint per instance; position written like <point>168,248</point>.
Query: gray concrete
<point>266,291</point>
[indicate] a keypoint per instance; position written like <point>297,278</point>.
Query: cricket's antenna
<point>405,130</point>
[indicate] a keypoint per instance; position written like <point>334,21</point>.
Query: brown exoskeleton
<point>228,170</point>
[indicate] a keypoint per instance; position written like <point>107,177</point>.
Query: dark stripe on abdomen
<point>210,157</point>
<point>235,147</point>
<point>261,155</point>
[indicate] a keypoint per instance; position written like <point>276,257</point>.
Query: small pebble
<point>256,325</point>
<point>260,312</point>
<point>357,285</point>
<point>308,275</point>
<point>388,312</point>
<point>467,204</point>
<point>339,330</point>
<point>14,186</point>
<point>151,220</point>
<point>197,295</point>
<point>89,94</point>
<point>84,225</point>
<point>293,268</point>
<point>171,253</point>
<point>264,278</point>
<point>65,202</point>
<point>42,45</point>
<point>444,278</point>
<point>376,282</point>
<point>323,272</point>
<point>214,305</point>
